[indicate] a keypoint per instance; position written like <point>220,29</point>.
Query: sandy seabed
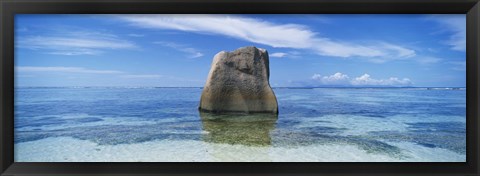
<point>67,149</point>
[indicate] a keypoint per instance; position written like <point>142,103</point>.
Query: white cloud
<point>457,26</point>
<point>364,80</point>
<point>64,69</point>
<point>278,54</point>
<point>428,60</point>
<point>22,70</point>
<point>192,52</point>
<point>402,52</point>
<point>142,76</point>
<point>335,79</point>
<point>136,35</point>
<point>289,54</point>
<point>262,32</point>
<point>74,43</point>
<point>249,29</point>
<point>316,76</point>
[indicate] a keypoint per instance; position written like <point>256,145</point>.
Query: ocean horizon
<point>278,87</point>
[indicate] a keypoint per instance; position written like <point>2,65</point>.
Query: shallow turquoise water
<point>341,124</point>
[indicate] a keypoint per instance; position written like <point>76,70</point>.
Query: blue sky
<point>177,50</point>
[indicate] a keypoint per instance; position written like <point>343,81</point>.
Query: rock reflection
<point>244,129</point>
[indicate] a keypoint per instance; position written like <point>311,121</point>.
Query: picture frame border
<point>9,8</point>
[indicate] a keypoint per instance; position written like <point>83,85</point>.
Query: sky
<point>177,50</point>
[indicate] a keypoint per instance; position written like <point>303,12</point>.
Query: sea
<point>163,124</point>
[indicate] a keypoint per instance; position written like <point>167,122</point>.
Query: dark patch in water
<point>447,135</point>
<point>323,129</point>
<point>427,145</point>
<point>52,121</point>
<point>286,138</point>
<point>118,134</point>
<point>39,123</point>
<point>322,121</point>
<point>89,119</point>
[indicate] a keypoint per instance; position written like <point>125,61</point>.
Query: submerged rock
<point>243,129</point>
<point>238,81</point>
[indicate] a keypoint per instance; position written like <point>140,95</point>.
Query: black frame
<point>8,8</point>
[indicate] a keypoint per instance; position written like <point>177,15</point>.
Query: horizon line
<point>271,87</point>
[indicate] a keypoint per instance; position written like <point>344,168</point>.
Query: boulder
<point>238,81</point>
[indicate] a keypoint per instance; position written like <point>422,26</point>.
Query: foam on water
<point>355,125</point>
